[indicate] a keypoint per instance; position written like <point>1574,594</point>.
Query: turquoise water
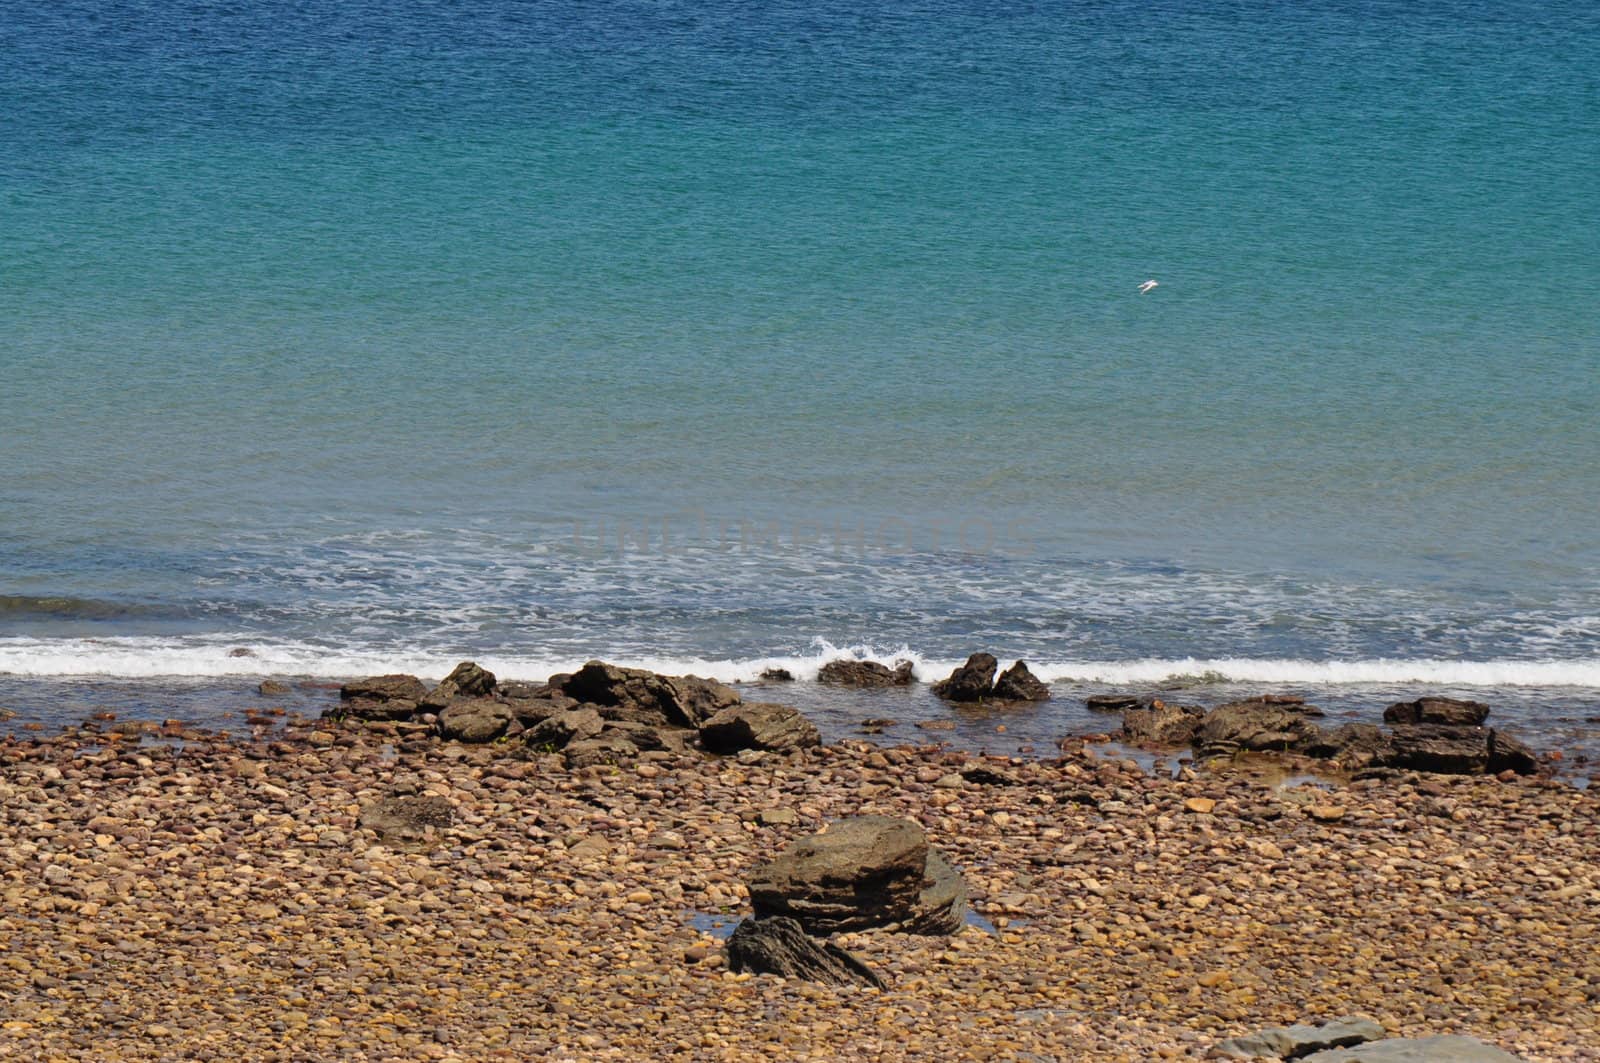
<point>718,334</point>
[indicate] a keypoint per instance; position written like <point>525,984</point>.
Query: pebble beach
<point>180,894</point>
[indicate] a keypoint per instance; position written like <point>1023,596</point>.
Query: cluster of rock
<point>1355,1040</point>
<point>975,681</point>
<point>861,873</point>
<point>599,714</point>
<point>1442,735</point>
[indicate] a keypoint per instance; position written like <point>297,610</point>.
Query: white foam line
<point>210,657</point>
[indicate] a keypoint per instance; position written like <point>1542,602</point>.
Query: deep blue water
<point>371,335</point>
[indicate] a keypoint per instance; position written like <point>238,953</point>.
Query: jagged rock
<point>1114,702</point>
<point>1449,1049</point>
<point>607,748</point>
<point>1158,723</point>
<point>1292,1042</point>
<point>474,720</point>
<point>864,674</point>
<point>408,819</point>
<point>1508,754</point>
<point>973,681</point>
<point>645,736</point>
<point>758,725</point>
<point>385,688</point>
<point>518,689</point>
<point>574,725</point>
<point>375,709</point>
<point>779,946</point>
<point>777,675</point>
<point>1017,683</point>
<point>466,680</point>
<point>271,688</point>
<point>862,872</point>
<point>1451,711</point>
<point>645,697</point>
<point>1274,724</point>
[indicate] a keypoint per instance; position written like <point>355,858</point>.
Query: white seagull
<point>1146,286</point>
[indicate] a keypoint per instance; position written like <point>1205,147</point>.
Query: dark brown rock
<point>374,709</point>
<point>1508,754</point>
<point>385,688</point>
<point>466,680</point>
<point>758,725</point>
<point>1450,711</point>
<point>780,946</point>
<point>777,675</point>
<point>646,697</point>
<point>609,748</point>
<point>1353,745</point>
<point>1017,683</point>
<point>1114,702</point>
<point>1438,748</point>
<point>973,681</point>
<point>864,674</point>
<point>1159,724</point>
<point>862,872</point>
<point>271,688</point>
<point>532,711</point>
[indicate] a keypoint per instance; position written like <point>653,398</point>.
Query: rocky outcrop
<point>382,697</point>
<point>1449,711</point>
<point>1264,724</point>
<point>780,946</point>
<point>1292,1042</point>
<point>475,720</point>
<point>1352,746</point>
<point>862,872</point>
<point>1017,683</point>
<point>645,697</point>
<point>1159,724</point>
<point>535,710</point>
<point>758,725</point>
<point>864,674</point>
<point>973,681</point>
<point>1457,750</point>
<point>1447,1049</point>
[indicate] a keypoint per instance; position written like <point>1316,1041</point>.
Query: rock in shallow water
<point>973,681</point>
<point>780,946</point>
<point>1017,683</point>
<point>1452,711</point>
<point>864,674</point>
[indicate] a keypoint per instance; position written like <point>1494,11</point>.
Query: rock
<point>864,674</point>
<point>1113,702</point>
<point>466,680</point>
<point>407,819</point>
<point>779,946</point>
<point>385,688</point>
<point>574,725</point>
<point>644,736</point>
<point>1451,711</point>
<point>1508,754</point>
<point>1292,1042</point>
<point>862,872</point>
<point>635,694</point>
<point>1017,683</point>
<point>271,688</point>
<point>778,817</point>
<point>973,681</point>
<point>983,775</point>
<point>1265,724</point>
<point>777,675</point>
<point>1437,748</point>
<point>374,709</point>
<point>1326,813</point>
<point>530,711</point>
<point>1200,804</point>
<point>1353,745</point>
<point>474,720</point>
<point>1448,1049</point>
<point>758,725</point>
<point>1157,723</point>
<point>611,748</point>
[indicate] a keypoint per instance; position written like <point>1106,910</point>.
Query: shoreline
<point>188,901</point>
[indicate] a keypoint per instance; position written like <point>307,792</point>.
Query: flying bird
<point>1146,286</point>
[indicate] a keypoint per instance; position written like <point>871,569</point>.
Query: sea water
<point>717,336</point>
